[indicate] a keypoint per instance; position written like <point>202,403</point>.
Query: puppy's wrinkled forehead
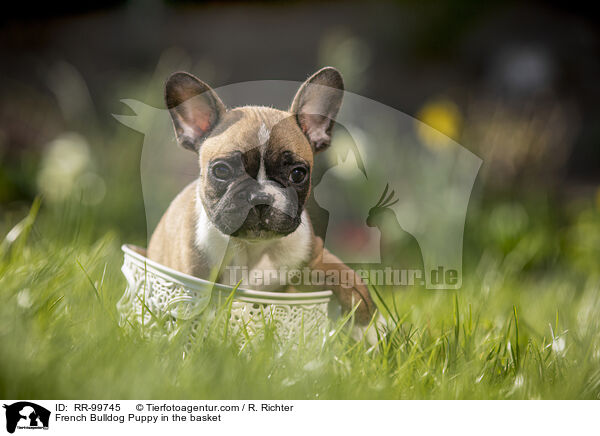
<point>259,131</point>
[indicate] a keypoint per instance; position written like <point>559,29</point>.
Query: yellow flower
<point>440,121</point>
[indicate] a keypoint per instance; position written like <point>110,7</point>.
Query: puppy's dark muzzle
<point>256,199</point>
<point>261,202</point>
<point>252,209</point>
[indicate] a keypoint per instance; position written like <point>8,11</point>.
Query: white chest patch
<point>270,260</point>
<point>209,239</point>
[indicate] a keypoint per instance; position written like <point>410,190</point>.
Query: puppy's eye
<point>222,171</point>
<point>298,175</point>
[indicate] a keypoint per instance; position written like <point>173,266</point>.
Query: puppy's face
<point>255,162</point>
<point>255,175</point>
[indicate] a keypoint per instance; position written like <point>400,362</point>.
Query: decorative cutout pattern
<point>159,303</point>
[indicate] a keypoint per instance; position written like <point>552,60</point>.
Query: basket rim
<point>186,279</point>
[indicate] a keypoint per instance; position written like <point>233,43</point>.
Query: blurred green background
<point>515,83</point>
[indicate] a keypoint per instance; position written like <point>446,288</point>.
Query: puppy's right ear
<point>194,107</point>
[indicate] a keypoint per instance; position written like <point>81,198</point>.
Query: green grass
<point>521,327</point>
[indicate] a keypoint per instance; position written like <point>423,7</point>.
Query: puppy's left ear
<point>316,105</point>
<point>194,107</point>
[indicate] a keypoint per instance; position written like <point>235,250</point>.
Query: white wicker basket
<point>157,294</point>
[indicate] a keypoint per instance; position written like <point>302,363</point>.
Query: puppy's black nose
<point>260,198</point>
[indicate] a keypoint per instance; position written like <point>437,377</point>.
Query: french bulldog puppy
<point>255,177</point>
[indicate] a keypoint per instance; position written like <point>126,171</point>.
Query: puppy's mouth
<point>263,223</point>
<point>256,235</point>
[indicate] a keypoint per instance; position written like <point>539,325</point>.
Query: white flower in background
<point>519,380</point>
<point>24,299</point>
<point>558,345</point>
<point>67,170</point>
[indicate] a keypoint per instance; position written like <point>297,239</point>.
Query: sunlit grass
<point>507,334</point>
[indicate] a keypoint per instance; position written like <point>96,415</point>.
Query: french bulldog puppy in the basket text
<point>255,177</point>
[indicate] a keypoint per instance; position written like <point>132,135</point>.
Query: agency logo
<point>26,415</point>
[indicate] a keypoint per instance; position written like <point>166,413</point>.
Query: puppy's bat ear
<point>316,105</point>
<point>194,107</point>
